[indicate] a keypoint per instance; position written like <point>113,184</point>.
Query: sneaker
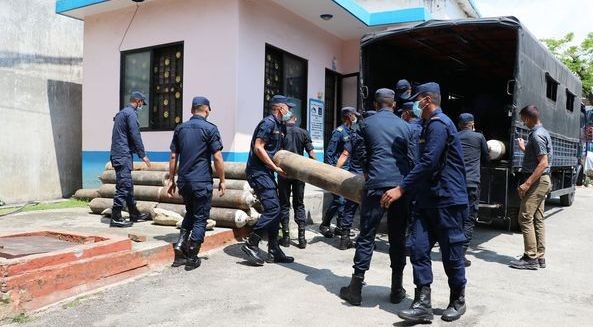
<point>541,262</point>
<point>524,263</point>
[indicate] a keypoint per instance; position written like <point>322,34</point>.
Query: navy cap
<point>406,106</point>
<point>200,101</point>
<point>138,96</point>
<point>385,93</point>
<point>349,110</point>
<point>368,113</point>
<point>278,98</point>
<point>426,87</point>
<point>402,85</point>
<point>465,118</point>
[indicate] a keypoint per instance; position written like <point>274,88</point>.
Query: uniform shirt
<point>438,178</point>
<point>355,147</point>
<point>475,151</point>
<point>340,136</point>
<point>125,137</point>
<point>195,141</point>
<point>387,151</point>
<point>539,143</point>
<point>416,130</point>
<point>297,140</point>
<point>272,132</point>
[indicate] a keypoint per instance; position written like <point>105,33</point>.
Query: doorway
<point>340,91</point>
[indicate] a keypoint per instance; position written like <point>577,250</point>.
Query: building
<point>238,53</point>
<point>40,111</point>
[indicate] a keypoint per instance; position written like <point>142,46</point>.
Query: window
<point>551,87</point>
<point>158,73</point>
<point>569,100</point>
<point>286,74</point>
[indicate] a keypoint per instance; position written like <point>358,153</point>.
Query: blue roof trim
<point>385,17</point>
<point>63,6</point>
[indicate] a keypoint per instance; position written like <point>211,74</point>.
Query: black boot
<point>136,215</point>
<point>466,262</point>
<point>193,261</point>
<point>398,293</point>
<point>353,292</point>
<point>302,239</point>
<point>421,309</point>
<point>324,228</point>
<point>180,248</point>
<point>251,248</point>
<point>285,241</point>
<point>345,241</point>
<point>456,307</point>
<point>117,220</point>
<point>275,254</point>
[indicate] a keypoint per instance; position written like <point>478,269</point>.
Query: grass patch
<point>21,318</point>
<point>70,203</point>
<point>76,302</point>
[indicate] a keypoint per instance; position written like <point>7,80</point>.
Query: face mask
<point>416,109</point>
<point>354,120</point>
<point>406,95</point>
<point>286,116</point>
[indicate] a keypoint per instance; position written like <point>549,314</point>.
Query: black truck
<point>491,67</point>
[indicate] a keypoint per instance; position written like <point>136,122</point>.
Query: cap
<point>200,101</point>
<point>426,87</point>
<point>349,110</point>
<point>384,93</point>
<point>465,118</point>
<point>406,106</point>
<point>138,96</point>
<point>278,98</point>
<point>402,85</point>
<point>368,113</point>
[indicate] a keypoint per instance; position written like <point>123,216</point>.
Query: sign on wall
<point>316,123</point>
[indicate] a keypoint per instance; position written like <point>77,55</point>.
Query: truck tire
<point>567,199</point>
<point>580,176</point>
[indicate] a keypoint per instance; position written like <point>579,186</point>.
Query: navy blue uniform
<point>416,130</point>
<point>387,160</point>
<point>125,141</point>
<point>340,136</point>
<point>195,141</point>
<point>355,147</point>
<point>441,204</point>
<point>261,178</point>
<point>475,151</point>
<point>297,140</point>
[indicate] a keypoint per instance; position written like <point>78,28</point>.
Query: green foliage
<point>577,57</point>
<point>21,318</point>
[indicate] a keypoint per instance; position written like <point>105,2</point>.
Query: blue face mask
<point>286,116</point>
<point>416,109</point>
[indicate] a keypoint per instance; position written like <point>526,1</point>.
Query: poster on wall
<point>316,123</point>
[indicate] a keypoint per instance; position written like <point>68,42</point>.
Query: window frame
<point>572,97</point>
<point>122,72</point>
<point>551,81</point>
<point>305,109</point>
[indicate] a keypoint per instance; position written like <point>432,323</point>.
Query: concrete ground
<point>226,292</point>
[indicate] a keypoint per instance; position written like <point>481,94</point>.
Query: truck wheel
<point>567,199</point>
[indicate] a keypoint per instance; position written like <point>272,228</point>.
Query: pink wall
<point>224,50</point>
<point>207,29</point>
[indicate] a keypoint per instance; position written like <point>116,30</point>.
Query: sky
<point>545,18</point>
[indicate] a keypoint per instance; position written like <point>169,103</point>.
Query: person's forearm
<point>342,159</point>
<point>172,166</point>
<point>261,153</point>
<point>312,155</point>
<point>537,172</point>
<point>219,166</point>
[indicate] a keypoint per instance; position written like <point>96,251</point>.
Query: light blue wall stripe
<point>93,163</point>
<point>385,17</point>
<point>67,5</point>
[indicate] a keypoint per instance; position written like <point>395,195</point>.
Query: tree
<point>578,58</point>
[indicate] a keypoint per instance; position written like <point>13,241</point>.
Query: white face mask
<point>354,119</point>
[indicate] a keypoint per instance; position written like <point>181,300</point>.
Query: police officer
<point>353,152</point>
<point>297,140</point>
<point>475,152</point>
<point>125,141</point>
<point>411,115</point>
<point>340,136</point>
<point>194,143</point>
<point>403,90</point>
<point>266,142</point>
<point>387,160</point>
<point>441,207</point>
